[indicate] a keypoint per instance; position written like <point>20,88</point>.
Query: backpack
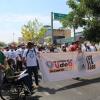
<point>88,48</point>
<point>35,54</point>
<point>32,52</point>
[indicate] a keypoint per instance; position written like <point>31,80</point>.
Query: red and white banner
<point>60,66</point>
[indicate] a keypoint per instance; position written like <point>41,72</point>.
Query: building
<point>78,35</point>
<point>58,34</point>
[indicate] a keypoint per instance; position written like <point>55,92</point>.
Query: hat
<point>30,44</point>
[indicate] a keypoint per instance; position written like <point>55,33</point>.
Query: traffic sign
<point>59,16</point>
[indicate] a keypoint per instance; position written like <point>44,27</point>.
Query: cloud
<point>8,35</point>
<point>12,23</point>
<point>13,18</point>
<point>23,19</point>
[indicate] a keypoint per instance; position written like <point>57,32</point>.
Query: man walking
<point>30,59</point>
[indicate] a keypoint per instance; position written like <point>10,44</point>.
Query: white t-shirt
<point>93,48</point>
<point>12,54</point>
<point>5,53</point>
<point>30,57</point>
<point>20,52</point>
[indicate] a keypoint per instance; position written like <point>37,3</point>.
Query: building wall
<point>59,32</point>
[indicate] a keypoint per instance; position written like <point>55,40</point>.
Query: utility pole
<point>13,36</point>
<point>52,27</point>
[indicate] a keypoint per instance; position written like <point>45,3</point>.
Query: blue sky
<point>15,13</point>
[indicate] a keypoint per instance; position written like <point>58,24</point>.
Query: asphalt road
<point>87,88</point>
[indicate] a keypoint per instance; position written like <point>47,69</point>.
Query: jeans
<point>31,70</point>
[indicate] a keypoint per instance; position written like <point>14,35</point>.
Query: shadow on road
<point>46,89</point>
<point>81,82</point>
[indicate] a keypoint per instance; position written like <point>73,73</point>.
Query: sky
<point>15,13</point>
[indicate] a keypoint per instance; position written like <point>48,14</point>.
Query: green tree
<point>26,33</point>
<point>75,18</point>
<point>92,29</point>
<point>33,31</point>
<point>2,44</point>
<point>86,14</point>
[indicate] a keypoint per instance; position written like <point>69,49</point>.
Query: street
<point>87,88</point>
<point>83,89</point>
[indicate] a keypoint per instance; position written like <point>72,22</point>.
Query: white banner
<point>60,66</point>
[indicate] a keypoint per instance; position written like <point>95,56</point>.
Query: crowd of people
<point>19,59</point>
<point>74,46</point>
<point>26,56</point>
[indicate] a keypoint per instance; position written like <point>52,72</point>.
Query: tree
<point>33,31</point>
<point>2,44</point>
<point>92,29</point>
<point>75,18</point>
<point>26,33</point>
<point>85,13</point>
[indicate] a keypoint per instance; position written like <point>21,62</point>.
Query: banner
<point>60,66</point>
<point>92,62</point>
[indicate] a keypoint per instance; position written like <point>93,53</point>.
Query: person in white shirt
<point>30,58</point>
<point>6,49</point>
<point>11,57</point>
<point>20,51</point>
<point>93,47</point>
<point>85,47</point>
